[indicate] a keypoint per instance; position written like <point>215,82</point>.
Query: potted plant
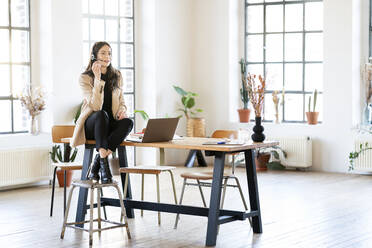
<point>263,156</point>
<point>195,125</point>
<point>56,156</point>
<point>312,116</point>
<point>245,112</point>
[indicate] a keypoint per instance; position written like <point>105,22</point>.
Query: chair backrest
<point>62,131</point>
<point>230,134</point>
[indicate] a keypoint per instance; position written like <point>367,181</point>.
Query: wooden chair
<point>202,177</point>
<point>59,132</point>
<point>152,170</point>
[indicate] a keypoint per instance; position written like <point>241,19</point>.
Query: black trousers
<point>107,133</point>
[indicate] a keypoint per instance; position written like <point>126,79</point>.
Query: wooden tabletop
<point>193,143</point>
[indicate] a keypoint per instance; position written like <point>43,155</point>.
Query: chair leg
<point>201,193</point>
<point>91,217</point>
<point>99,210</point>
<point>124,194</point>
<point>67,210</point>
<point>173,186</point>
<point>142,191</point>
<point>158,195</point>
<point>104,207</point>
<point>181,198</point>
<point>64,190</point>
<point>224,192</point>
<point>242,196</point>
<point>53,188</point>
<point>233,164</point>
<point>123,215</point>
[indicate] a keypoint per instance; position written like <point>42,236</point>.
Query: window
<point>284,41</point>
<point>14,63</point>
<point>113,21</point>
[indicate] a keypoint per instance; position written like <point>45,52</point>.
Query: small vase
<point>258,129</point>
<point>244,115</point>
<point>312,118</point>
<point>34,126</point>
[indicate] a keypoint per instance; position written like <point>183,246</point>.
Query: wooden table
<point>216,216</point>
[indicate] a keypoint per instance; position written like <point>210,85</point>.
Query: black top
<point>107,98</point>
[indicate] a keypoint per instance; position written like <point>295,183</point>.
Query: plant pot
<point>114,166</point>
<point>244,115</point>
<point>312,118</point>
<point>261,160</point>
<point>195,127</point>
<point>60,174</point>
<point>258,129</point>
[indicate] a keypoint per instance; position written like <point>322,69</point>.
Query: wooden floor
<point>299,209</point>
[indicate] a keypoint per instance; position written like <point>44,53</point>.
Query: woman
<point>103,113</point>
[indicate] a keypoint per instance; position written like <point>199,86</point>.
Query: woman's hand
<point>96,68</point>
<point>122,115</point>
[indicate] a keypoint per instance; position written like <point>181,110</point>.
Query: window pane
<point>274,47</point>
<point>255,69</point>
<point>111,7</point>
<point>112,30</point>
<point>314,47</point>
<point>255,19</point>
<point>293,77</point>
<point>96,7</point>
<point>128,99</point>
<point>20,46</point>
<point>274,76</point>
<point>314,16</point>
<point>4,14</point>
<point>21,117</point>
<point>293,47</point>
<point>254,48</point>
<point>293,17</point>
<point>126,8</point>
<point>293,107</point>
<point>128,78</point>
<point>126,30</point>
<point>6,119</point>
<point>97,28</point>
<point>115,57</point>
<point>19,13</point>
<point>274,18</point>
<point>21,78</point>
<point>85,29</point>
<point>313,77</point>
<point>5,83</point>
<point>4,45</point>
<point>84,6</point>
<point>126,55</point>
<point>269,107</point>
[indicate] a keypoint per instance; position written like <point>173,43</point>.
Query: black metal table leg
<point>254,200</point>
<point>83,192</point>
<point>201,160</point>
<point>123,162</point>
<point>191,159</point>
<point>53,188</point>
<point>214,205</point>
<point>64,191</point>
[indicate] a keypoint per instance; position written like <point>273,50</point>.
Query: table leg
<point>201,160</point>
<point>123,162</point>
<point>191,158</point>
<point>162,156</point>
<point>214,205</point>
<point>254,200</point>
<point>83,192</point>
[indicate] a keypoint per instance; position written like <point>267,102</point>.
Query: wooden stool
<point>202,176</point>
<point>92,185</point>
<point>155,170</point>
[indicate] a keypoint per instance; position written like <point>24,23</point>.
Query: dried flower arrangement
<point>33,100</point>
<point>276,100</point>
<point>256,91</point>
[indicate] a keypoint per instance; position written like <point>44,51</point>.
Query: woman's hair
<point>112,74</point>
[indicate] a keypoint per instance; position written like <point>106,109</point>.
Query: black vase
<point>258,129</point>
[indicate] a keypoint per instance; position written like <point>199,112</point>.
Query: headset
<point>93,58</point>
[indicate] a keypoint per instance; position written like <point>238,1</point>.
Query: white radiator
<point>364,161</point>
<point>24,165</point>
<point>299,151</point>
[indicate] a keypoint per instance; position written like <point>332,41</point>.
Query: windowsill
<point>284,124</point>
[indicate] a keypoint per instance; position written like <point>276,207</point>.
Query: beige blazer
<point>93,101</point>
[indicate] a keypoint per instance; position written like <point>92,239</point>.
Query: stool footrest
<point>116,225</point>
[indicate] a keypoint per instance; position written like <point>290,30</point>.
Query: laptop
<point>157,130</point>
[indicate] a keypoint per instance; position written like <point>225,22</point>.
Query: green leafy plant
<point>243,90</point>
<point>188,102</point>
<point>355,154</point>
<point>314,102</point>
<point>56,153</point>
<point>78,112</point>
<point>142,113</point>
<point>274,151</point>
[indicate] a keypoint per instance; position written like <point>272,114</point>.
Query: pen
<point>221,142</point>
